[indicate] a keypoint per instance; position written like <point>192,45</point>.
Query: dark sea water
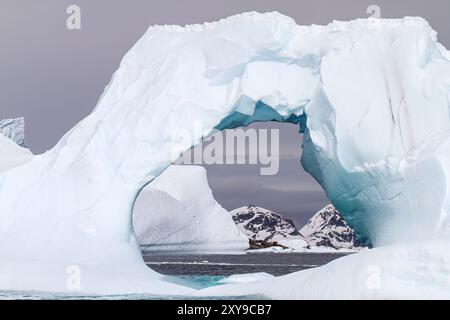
<point>225,264</point>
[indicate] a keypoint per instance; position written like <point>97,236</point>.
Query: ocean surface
<point>276,264</point>
<point>202,270</point>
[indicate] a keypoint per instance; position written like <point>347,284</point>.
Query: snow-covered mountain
<point>261,224</point>
<point>327,228</point>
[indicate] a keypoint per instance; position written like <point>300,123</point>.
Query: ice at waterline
<point>372,99</point>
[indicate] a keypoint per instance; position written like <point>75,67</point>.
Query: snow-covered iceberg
<point>14,129</point>
<point>13,147</point>
<point>371,96</point>
<point>177,212</point>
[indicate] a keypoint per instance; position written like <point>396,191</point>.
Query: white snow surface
<point>375,96</point>
<point>177,212</point>
<point>247,278</point>
<point>13,149</point>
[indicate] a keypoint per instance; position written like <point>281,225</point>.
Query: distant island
<point>325,231</point>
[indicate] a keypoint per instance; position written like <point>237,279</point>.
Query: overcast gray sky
<point>54,76</point>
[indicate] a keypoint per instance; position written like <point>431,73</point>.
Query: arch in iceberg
<point>371,97</point>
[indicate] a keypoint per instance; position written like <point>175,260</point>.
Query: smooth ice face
<point>177,212</point>
<point>371,95</point>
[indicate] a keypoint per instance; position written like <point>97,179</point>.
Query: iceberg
<point>371,96</point>
<point>13,147</point>
<point>177,212</point>
<point>14,129</point>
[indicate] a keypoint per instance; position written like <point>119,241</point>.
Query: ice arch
<point>371,97</point>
